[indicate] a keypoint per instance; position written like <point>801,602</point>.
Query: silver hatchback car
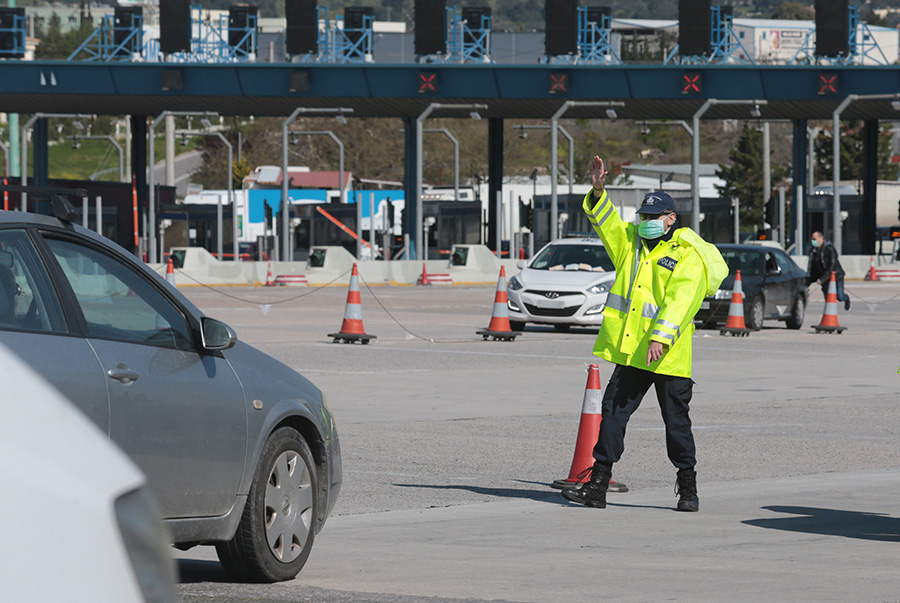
<point>240,450</point>
<point>565,284</point>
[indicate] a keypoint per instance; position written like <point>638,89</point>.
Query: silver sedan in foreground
<point>240,450</point>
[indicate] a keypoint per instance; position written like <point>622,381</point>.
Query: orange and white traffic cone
<point>588,431</point>
<point>872,276</point>
<point>423,280</point>
<point>352,327</point>
<point>270,282</point>
<point>499,328</point>
<point>170,272</point>
<point>830,322</point>
<point>735,325</point>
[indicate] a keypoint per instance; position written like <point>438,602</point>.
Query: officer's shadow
<point>832,522</point>
<point>545,494</point>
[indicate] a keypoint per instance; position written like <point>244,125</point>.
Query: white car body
<point>565,284</point>
<point>79,526</point>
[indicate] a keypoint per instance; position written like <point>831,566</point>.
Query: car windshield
<point>573,257</point>
<point>749,262</point>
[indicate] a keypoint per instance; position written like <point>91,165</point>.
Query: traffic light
<point>268,210</point>
<point>526,214</point>
<point>769,213</point>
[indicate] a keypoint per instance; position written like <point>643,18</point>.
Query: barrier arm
<point>342,226</point>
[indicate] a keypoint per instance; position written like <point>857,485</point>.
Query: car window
<point>573,257</point>
<point>27,300</point>
<point>117,302</point>
<point>749,262</point>
<point>787,265</point>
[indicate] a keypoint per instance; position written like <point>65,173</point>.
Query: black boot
<point>593,492</point>
<point>686,489</point>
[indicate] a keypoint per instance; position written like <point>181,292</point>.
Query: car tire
<point>757,313</point>
<point>798,313</point>
<point>517,325</point>
<point>564,328</point>
<point>281,507</point>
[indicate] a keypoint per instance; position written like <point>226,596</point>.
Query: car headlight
<point>594,310</point>
<point>512,306</point>
<point>147,544</point>
<point>514,284</point>
<point>603,287</point>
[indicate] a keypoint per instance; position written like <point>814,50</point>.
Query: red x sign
<point>691,83</point>
<point>559,83</point>
<point>828,83</point>
<point>428,81</point>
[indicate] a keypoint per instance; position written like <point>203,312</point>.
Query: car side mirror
<point>216,334</point>
<point>774,272</point>
<point>520,264</point>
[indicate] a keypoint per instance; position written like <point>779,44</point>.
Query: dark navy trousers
<point>624,392</point>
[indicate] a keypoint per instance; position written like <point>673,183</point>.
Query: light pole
<point>230,189</point>
<point>455,142</point>
<point>564,132</point>
<point>151,179</point>
<point>329,133</point>
<point>836,236</point>
<point>112,140</point>
<point>695,151</point>
<point>554,141</point>
<point>23,143</point>
<point>285,204</point>
<point>419,121</point>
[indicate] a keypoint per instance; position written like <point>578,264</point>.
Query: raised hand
<point>598,175</point>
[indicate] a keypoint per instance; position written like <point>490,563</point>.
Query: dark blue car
<point>773,285</point>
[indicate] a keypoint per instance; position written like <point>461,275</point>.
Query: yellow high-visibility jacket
<point>656,293</point>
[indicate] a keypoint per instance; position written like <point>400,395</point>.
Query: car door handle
<point>123,373</point>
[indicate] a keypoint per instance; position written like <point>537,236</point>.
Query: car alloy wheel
<point>757,308</point>
<point>277,528</point>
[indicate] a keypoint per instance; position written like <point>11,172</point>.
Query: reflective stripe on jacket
<point>655,295</point>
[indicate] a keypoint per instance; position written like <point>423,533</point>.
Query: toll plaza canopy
<point>541,91</point>
<point>509,91</point>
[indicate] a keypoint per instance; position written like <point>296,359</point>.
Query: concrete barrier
<point>330,265</point>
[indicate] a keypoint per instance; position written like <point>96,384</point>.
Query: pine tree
<point>743,176</point>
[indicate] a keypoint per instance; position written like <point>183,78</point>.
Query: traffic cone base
<point>423,280</point>
<point>588,431</point>
<point>872,275</point>
<point>829,323</point>
<point>352,327</point>
<point>735,325</point>
<point>499,328</point>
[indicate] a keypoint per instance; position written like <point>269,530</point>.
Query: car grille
<point>558,293</point>
<point>535,311</point>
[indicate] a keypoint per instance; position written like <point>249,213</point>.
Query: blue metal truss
<point>466,42</point>
<point>209,42</point>
<point>594,46</point>
<point>339,44</point>
<point>101,44</point>
<point>856,51</point>
<point>18,35</point>
<point>723,44</point>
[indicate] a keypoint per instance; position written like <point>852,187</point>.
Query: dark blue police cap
<point>657,202</point>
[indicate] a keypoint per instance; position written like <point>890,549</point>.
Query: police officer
<point>662,276</point>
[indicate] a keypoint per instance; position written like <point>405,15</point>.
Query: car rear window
<point>749,262</point>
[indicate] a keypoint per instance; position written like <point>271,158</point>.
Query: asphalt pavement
<point>450,443</point>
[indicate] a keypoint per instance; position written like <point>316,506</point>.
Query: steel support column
<point>39,160</point>
<point>799,177</point>
<point>139,133</point>
<point>867,226</point>
<point>410,216</point>
<point>495,179</point>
